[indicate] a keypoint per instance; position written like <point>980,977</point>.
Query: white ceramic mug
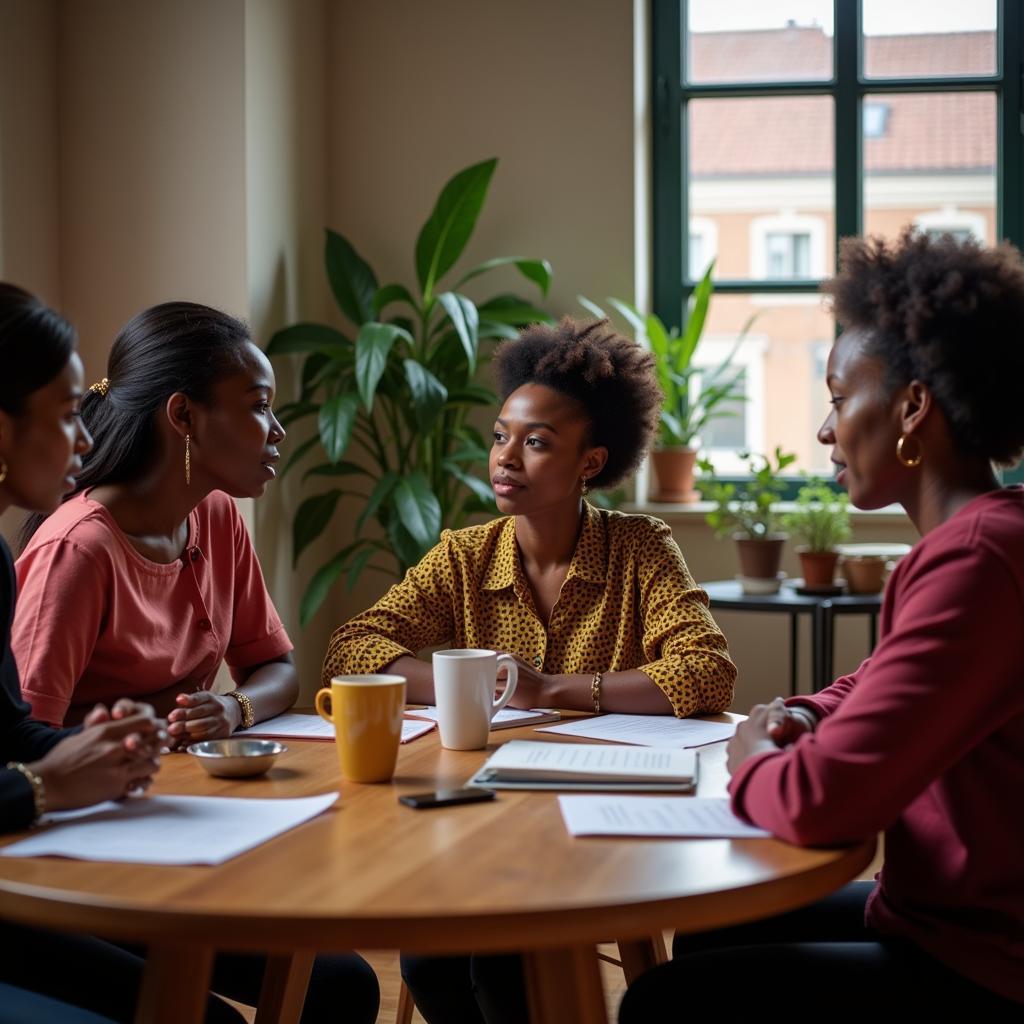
<point>464,685</point>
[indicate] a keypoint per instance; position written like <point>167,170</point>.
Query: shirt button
<point>204,625</point>
<point>537,660</point>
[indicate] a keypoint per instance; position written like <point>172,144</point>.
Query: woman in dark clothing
<point>42,441</point>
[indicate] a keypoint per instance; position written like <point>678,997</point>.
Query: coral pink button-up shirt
<point>96,620</point>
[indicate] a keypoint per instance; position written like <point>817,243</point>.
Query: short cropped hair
<point>610,377</point>
<point>950,314</point>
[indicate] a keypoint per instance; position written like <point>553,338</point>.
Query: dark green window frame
<point>673,283</point>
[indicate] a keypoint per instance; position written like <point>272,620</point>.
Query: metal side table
<point>823,608</point>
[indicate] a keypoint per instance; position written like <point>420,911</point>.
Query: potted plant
<point>746,509</point>
<point>821,519</point>
<point>687,407</point>
<point>399,393</point>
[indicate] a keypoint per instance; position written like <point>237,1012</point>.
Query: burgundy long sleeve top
<point>926,742</point>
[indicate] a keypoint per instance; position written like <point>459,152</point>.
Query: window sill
<point>676,513</point>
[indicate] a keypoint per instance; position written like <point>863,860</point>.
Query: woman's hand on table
<point>533,689</point>
<point>202,716</point>
<point>116,753</point>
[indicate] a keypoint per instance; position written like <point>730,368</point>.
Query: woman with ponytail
<point>145,579</point>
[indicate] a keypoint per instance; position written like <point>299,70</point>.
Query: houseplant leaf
<point>418,509</point>
<point>336,420</point>
<point>352,281</point>
<point>323,579</point>
<point>428,394</point>
<point>446,232</point>
<point>306,337</point>
<point>466,321</point>
<point>538,271</point>
<point>372,347</point>
<point>312,517</point>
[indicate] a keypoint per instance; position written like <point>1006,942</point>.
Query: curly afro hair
<point>949,314</point>
<point>611,377</point>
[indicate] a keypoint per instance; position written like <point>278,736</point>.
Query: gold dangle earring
<point>3,471</point>
<point>909,463</point>
<point>188,462</point>
<point>584,489</point>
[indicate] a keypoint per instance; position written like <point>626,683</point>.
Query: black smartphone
<point>446,798</point>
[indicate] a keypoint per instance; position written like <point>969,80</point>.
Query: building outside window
<point>780,127</point>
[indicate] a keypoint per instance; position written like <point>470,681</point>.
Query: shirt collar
<point>589,561</point>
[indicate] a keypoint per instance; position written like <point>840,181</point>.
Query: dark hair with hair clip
<point>176,346</point>
<point>611,378</point>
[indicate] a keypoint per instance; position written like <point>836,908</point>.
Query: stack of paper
<point>676,817</point>
<point>313,727</point>
<point>525,764</point>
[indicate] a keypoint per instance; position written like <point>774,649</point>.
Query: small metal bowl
<point>236,757</point>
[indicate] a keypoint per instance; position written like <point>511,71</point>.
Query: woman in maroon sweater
<point>925,741</point>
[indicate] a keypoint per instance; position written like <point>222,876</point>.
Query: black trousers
<point>105,979</point>
<point>19,1006</point>
<point>810,964</point>
<point>468,989</point>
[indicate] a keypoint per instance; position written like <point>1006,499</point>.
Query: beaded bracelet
<point>245,704</point>
<point>38,789</point>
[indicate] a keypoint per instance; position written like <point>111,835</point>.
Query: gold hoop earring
<point>584,489</point>
<point>909,463</point>
<point>3,471</point>
<point>188,461</point>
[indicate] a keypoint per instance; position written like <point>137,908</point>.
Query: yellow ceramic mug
<point>367,716</point>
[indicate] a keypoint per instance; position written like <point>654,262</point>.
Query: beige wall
<point>196,149</point>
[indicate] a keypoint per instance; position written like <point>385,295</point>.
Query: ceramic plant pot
<point>818,567</point>
<point>760,559</point>
<point>673,475</point>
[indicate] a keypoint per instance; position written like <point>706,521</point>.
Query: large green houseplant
<point>747,510</point>
<point>687,408</point>
<point>391,402</point>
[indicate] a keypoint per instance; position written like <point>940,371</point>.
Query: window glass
<point>760,171</point>
<point>929,38</point>
<point>934,165</point>
<point>759,40</point>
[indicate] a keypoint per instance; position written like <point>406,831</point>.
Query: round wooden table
<point>374,874</point>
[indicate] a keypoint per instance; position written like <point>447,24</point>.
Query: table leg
<point>828,623</point>
<point>817,643</point>
<point>284,988</point>
<point>640,955</point>
<point>564,986</point>
<point>175,984</point>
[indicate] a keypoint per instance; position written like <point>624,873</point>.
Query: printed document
<point>686,817</point>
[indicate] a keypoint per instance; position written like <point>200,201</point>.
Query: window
<point>783,126</point>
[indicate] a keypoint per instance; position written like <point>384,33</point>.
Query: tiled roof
<point>793,135</point>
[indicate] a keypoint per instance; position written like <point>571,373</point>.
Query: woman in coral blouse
<point>598,607</point>
<point>145,579</point>
<point>925,741</point>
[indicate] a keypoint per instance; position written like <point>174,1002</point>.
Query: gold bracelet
<point>248,715</point>
<point>38,789</point>
<point>595,692</point>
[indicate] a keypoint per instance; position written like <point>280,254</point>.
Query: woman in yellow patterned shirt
<point>572,591</point>
<point>597,607</point>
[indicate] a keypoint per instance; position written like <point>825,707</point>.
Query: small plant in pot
<point>691,401</point>
<point>747,510</point>
<point>821,519</point>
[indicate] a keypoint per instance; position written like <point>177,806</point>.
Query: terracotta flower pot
<point>818,567</point>
<point>673,474</point>
<point>864,574</point>
<point>760,559</point>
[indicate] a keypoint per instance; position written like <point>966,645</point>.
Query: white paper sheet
<point>313,727</point>
<point>679,817</point>
<point>647,730</point>
<point>168,829</point>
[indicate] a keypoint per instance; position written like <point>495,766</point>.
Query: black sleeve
<point>22,738</point>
